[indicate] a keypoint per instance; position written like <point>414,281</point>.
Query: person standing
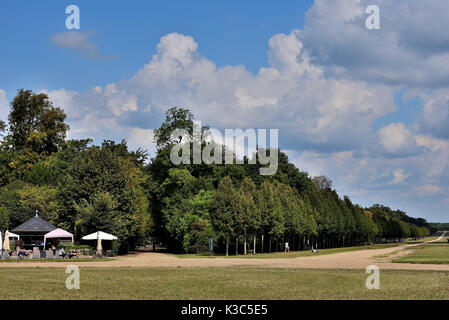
<point>287,249</point>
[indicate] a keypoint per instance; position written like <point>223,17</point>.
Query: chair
<point>49,254</point>
<point>36,253</point>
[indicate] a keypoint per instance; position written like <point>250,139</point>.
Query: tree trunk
<point>237,246</point>
<point>269,244</point>
<point>244,242</point>
<point>262,244</point>
<point>227,246</point>
<point>254,245</point>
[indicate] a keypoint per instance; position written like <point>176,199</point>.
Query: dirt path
<point>344,260</point>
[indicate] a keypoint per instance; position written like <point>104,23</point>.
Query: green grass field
<point>220,283</point>
<point>428,253</point>
<point>291,254</point>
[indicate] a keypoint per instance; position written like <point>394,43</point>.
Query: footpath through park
<point>358,259</point>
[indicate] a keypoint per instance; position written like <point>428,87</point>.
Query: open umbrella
<point>6,242</point>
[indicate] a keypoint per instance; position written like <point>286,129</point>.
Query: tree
<point>322,182</point>
<point>224,209</point>
<point>2,126</point>
<point>176,191</point>
<point>100,213</point>
<point>175,118</point>
<point>4,218</point>
<point>249,216</point>
<point>107,170</point>
<point>35,124</point>
<point>272,219</point>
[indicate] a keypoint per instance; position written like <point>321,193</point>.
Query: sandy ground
<point>345,260</point>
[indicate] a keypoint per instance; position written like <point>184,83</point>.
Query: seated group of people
<point>72,253</point>
<point>23,254</point>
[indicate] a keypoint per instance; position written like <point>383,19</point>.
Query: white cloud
<point>428,190</point>
<point>435,114</point>
<point>409,48</point>
<point>291,94</point>
<point>399,176</point>
<point>141,138</point>
<point>4,105</point>
<point>397,140</point>
<point>78,41</point>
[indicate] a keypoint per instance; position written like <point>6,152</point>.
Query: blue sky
<point>369,108</point>
<point>127,34</point>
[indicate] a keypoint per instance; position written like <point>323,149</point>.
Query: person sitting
<point>62,253</point>
<point>73,254</point>
<point>22,254</point>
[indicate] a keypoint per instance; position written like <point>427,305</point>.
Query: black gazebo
<point>32,232</point>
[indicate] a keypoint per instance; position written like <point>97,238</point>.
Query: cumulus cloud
<point>312,111</point>
<point>434,117</point>
<point>78,41</point>
<point>409,48</point>
<point>397,141</point>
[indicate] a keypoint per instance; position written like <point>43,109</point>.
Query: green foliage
<point>22,201</point>
<point>35,124</point>
<point>100,214</point>
<point>4,218</point>
<point>97,171</point>
<point>68,247</point>
<point>83,188</point>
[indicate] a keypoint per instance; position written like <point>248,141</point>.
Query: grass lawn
<point>291,254</point>
<point>412,241</point>
<point>220,283</point>
<point>435,253</point>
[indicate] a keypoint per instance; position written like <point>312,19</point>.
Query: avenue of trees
<point>82,188</point>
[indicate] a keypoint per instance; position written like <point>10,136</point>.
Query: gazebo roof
<point>35,225</point>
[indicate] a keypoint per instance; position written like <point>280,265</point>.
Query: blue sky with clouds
<point>368,108</point>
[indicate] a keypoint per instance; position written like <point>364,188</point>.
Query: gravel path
<point>344,260</point>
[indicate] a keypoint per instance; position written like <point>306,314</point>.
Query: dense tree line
<point>246,210</point>
<point>83,188</point>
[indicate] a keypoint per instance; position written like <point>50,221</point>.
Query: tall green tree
<point>35,124</point>
<point>224,209</point>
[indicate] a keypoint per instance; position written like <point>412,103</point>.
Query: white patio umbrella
<point>6,242</point>
<point>99,235</point>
